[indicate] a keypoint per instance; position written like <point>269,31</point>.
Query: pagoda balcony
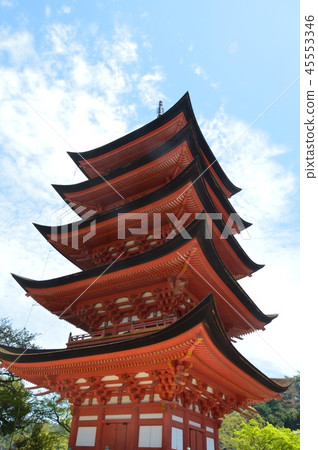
<point>120,332</point>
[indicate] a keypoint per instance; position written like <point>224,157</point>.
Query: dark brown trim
<point>205,312</point>
<point>196,229</point>
<point>183,105</point>
<point>190,174</point>
<point>187,134</point>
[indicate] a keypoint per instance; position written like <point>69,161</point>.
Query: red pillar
<point>74,426</point>
<point>166,427</point>
<point>134,429</point>
<point>99,431</point>
<point>186,432</point>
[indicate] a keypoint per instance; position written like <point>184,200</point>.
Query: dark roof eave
<point>196,229</point>
<point>205,312</point>
<point>145,129</point>
<point>189,174</point>
<point>183,105</point>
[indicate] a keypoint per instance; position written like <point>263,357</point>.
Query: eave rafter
<point>94,242</point>
<point>198,367</point>
<point>207,273</point>
<point>140,147</point>
<point>172,385</point>
<point>144,176</point>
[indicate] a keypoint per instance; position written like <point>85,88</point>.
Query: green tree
<point>14,337</point>
<point>56,411</point>
<point>15,405</point>
<point>25,420</point>
<point>251,435</point>
<point>231,423</point>
<point>284,412</point>
<point>15,400</point>
<point>42,436</point>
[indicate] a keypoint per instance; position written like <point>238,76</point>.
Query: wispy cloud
<point>253,159</point>
<point>6,3</point>
<point>149,90</point>
<point>198,70</point>
<point>47,11</point>
<point>267,199</point>
<point>233,48</point>
<point>17,46</point>
<point>65,9</point>
<point>83,102</point>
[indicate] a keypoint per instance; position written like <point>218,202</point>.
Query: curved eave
<point>185,135</point>
<point>183,105</point>
<point>177,108</point>
<point>190,174</point>
<point>204,313</point>
<point>195,230</point>
<point>209,154</point>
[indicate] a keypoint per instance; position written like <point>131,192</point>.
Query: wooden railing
<point>128,330</point>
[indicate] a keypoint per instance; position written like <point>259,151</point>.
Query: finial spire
<point>160,109</point>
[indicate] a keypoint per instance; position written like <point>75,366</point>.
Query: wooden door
<point>196,439</point>
<point>115,436</point>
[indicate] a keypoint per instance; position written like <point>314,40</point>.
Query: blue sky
<point>75,75</point>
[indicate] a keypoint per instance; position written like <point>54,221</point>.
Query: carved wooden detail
<point>173,385</point>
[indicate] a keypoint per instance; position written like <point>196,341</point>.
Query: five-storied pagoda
<point>157,296</point>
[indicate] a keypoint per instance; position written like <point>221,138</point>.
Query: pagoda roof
<point>180,192</point>
<point>206,273</point>
<point>99,161</point>
<point>142,176</point>
<point>197,340</point>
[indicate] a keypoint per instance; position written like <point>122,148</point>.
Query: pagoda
<point>157,296</point>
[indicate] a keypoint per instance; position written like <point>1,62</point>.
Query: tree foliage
<point>27,421</point>
<point>234,422</point>
<point>15,400</point>
<point>284,412</point>
<point>251,435</point>
<point>15,338</point>
<point>274,427</point>
<point>15,406</point>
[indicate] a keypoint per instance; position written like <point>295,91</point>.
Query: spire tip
<point>160,109</point>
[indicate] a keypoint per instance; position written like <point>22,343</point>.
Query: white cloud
<point>233,48</point>
<point>47,11</point>
<point>53,101</point>
<point>62,39</point>
<point>250,156</point>
<point>121,49</point>
<point>266,200</point>
<point>198,70</point>
<point>65,9</point>
<point>18,46</point>
<point>148,88</point>
<point>7,3</point>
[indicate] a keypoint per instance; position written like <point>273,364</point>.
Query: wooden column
<point>99,432</point>
<point>134,429</point>
<point>74,426</point>
<point>186,431</point>
<point>166,426</point>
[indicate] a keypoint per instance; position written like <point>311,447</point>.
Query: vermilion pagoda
<point>157,296</point>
